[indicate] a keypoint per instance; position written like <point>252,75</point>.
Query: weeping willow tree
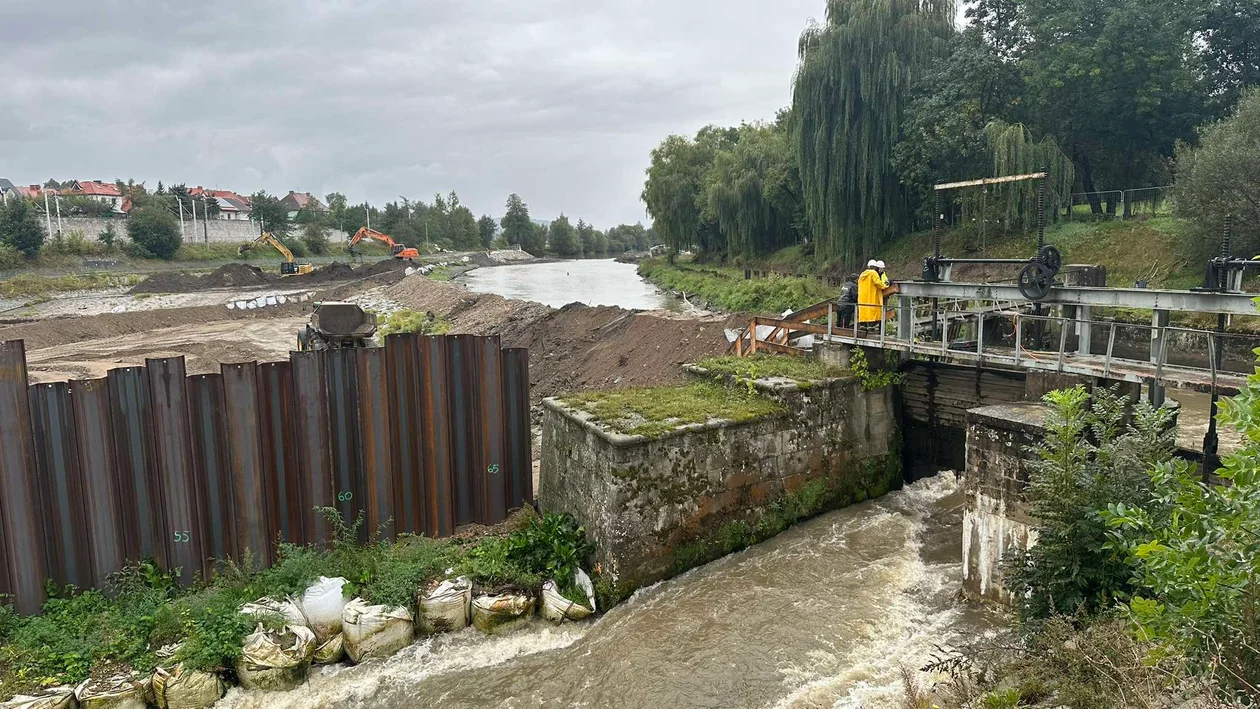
<point>1014,151</point>
<point>852,83</point>
<point>752,191</point>
<point>675,187</point>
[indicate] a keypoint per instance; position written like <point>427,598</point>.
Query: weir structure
<point>978,357</point>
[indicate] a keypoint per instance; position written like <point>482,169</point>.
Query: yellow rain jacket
<point>871,287</point>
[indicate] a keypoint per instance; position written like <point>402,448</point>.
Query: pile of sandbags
<point>54,698</point>
<point>276,660</point>
<point>502,613</point>
<point>180,688</point>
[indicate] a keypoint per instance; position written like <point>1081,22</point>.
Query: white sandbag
<point>55,698</point>
<point>322,604</point>
<point>281,299</point>
<point>375,631</point>
<point>331,652</point>
<point>178,688</point>
<point>445,607</point>
<point>117,692</point>
<point>265,609</point>
<point>240,305</point>
<point>276,660</point>
<point>271,300</point>
<point>502,614</point>
<point>557,608</point>
<point>231,306</point>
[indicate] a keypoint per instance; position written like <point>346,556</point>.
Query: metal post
<point>1084,330</point>
<point>905,318</point>
<point>980,333</point>
<point>1041,209</point>
<point>1063,331</point>
<point>1019,335</point>
<point>945,334</point>
<point>1159,321</point>
<point>831,318</point>
<point>1211,455</point>
<point>1111,345</point>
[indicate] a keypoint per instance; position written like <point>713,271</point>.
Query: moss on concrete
<point>803,370</point>
<point>655,411</point>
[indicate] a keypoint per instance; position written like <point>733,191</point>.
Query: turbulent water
<point>824,615</point>
<point>590,281</point>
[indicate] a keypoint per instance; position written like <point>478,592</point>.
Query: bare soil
<point>242,275</point>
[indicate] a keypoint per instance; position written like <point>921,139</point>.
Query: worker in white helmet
<point>873,288</point>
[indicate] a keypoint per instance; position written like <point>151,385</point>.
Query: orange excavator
<point>396,249</point>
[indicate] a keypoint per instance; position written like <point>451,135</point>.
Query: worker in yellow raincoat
<point>873,288</point>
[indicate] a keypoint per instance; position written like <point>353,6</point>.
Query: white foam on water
<point>355,687</point>
<point>913,630</point>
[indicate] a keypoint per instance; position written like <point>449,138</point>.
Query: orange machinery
<point>396,249</point>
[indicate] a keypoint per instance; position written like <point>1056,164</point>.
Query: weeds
<point>727,289</point>
<point>29,286</point>
<point>871,379</point>
<point>414,321</point>
<point>761,366</point>
<point>655,411</point>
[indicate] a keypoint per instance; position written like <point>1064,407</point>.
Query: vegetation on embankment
<point>121,627</point>
<point>27,286</point>
<point>759,366</point>
<point>725,288</point>
<point>654,411</point>
<point>1141,588</point>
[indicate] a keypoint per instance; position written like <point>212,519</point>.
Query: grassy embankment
<point>1158,251</point>
<point>120,628</point>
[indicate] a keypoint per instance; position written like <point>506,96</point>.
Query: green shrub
<point>10,258</point>
<point>20,227</point>
<point>154,230</point>
<point>403,321</point>
<point>729,290</point>
<point>1088,460</point>
<point>871,379</point>
<point>108,237</point>
<point>315,237</point>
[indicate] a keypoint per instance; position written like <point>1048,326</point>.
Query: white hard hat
<point>872,264</point>
<point>880,264</point>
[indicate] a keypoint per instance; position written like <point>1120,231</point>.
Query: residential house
<point>232,206</point>
<point>106,192</point>
<point>8,190</point>
<point>295,202</point>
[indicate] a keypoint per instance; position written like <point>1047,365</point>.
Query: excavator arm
<point>289,267</point>
<point>396,249</point>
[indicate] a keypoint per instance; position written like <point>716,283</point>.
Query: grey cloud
<point>558,100</point>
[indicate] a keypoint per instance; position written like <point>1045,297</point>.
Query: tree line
<point>153,224</point>
<point>889,98</point>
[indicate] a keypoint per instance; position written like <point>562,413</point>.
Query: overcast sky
<point>557,100</point>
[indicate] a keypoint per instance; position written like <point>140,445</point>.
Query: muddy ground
<point>573,348</point>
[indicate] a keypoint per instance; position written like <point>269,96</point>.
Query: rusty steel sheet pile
<point>419,436</point>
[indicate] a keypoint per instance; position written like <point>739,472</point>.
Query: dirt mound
<point>576,347</point>
<point>232,275</point>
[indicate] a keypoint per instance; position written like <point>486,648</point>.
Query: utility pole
<point>182,235</point>
<point>57,202</point>
<point>47,212</point>
<point>193,204</point>
<point>367,209</point>
<point>205,219</point>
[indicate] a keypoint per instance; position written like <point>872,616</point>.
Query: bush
<point>10,258</point>
<point>731,292</point>
<point>108,237</point>
<point>72,244</point>
<point>20,227</point>
<point>294,244</point>
<point>402,321</point>
<point>315,237</point>
<point>1088,460</point>
<point>155,230</point>
<point>1214,180</point>
<point>1197,551</point>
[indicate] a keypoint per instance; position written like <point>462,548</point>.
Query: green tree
<point>1113,81</point>
<point>536,242</point>
<point>154,229</point>
<point>20,227</point>
<point>517,226</point>
<point>674,190</point>
<point>1088,460</point>
<point>268,213</point>
<point>563,239</point>
<point>108,236</point>
<point>852,85</point>
<point>586,239</point>
<point>461,225</point>
<point>486,229</point>
<point>753,192</point>
<point>1227,36</point>
<point>1221,178</point>
<point>315,237</point>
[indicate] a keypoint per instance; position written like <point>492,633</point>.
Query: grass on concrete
<point>655,411</point>
<point>760,366</point>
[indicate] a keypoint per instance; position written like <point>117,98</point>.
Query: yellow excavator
<point>288,267</point>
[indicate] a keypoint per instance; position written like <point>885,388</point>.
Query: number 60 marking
<point>345,496</point>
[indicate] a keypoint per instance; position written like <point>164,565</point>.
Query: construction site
<point>239,313</point>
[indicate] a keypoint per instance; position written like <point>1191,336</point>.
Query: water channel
<point>824,615</point>
<point>589,281</point>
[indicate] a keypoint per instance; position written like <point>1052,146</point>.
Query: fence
<point>1129,204</point>
<point>419,436</point>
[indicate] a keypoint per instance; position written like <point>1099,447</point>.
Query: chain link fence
<point>1140,203</point>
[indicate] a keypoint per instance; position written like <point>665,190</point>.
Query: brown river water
<point>824,615</point>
